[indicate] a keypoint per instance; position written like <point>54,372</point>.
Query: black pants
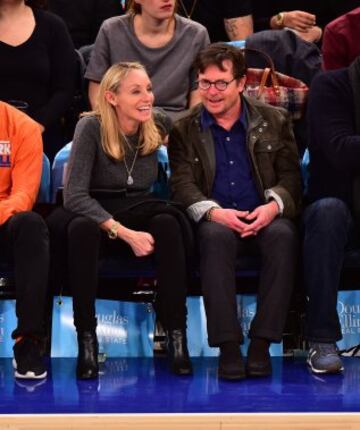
<point>24,241</point>
<point>219,249</point>
<point>87,243</point>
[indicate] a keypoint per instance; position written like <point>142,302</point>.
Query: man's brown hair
<point>216,53</point>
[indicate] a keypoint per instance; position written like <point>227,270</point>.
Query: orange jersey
<point>21,155</point>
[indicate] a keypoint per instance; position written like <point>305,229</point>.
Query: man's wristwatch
<point>112,232</point>
<point>279,19</point>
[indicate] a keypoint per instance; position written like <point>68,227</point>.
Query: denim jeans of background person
<point>330,218</point>
<point>235,168</point>
<point>23,235</point>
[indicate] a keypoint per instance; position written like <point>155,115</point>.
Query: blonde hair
<point>134,8</point>
<point>112,139</point>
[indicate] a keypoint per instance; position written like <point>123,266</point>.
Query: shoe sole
<point>29,374</point>
<point>227,377</point>
<point>323,371</point>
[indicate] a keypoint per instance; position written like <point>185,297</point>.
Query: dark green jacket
<point>272,152</point>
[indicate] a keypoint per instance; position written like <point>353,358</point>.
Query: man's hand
<point>230,218</point>
<point>299,20</point>
<point>261,217</point>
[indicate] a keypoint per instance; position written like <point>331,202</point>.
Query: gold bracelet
<point>112,232</point>
<point>209,213</point>
<point>279,19</point>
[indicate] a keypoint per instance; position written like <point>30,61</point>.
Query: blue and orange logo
<point>5,153</point>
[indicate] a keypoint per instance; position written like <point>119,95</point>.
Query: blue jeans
<point>327,226</point>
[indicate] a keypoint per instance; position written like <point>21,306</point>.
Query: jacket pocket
<point>266,152</point>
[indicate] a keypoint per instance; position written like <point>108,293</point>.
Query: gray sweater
<point>90,168</point>
<point>169,67</point>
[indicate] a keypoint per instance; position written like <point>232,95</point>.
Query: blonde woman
<point>164,42</point>
<point>109,208</point>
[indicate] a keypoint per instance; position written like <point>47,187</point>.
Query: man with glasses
<point>235,168</point>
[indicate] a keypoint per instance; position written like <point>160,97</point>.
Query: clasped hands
<point>244,222</point>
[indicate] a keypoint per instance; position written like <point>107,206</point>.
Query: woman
<point>112,167</point>
<point>38,66</point>
<point>165,43</point>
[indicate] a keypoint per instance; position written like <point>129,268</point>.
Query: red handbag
<point>275,88</point>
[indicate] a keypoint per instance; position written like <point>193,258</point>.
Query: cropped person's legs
<point>327,224</point>
<point>279,248</point>
<point>84,238</point>
<point>218,251</point>
<point>172,275</point>
<point>29,244</point>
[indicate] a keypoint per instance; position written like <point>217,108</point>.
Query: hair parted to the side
<point>37,4</point>
<point>112,139</point>
<point>134,8</point>
<point>215,55</point>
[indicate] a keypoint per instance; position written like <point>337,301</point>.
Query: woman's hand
<point>141,243</point>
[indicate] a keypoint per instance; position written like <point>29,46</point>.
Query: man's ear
<point>241,84</point>
<point>110,98</point>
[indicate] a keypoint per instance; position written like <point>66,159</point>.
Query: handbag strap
<point>263,54</point>
<point>268,71</point>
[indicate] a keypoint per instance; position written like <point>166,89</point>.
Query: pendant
<point>130,180</point>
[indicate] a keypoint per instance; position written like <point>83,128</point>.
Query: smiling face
<point>133,100</point>
<point>157,9</point>
<point>220,103</point>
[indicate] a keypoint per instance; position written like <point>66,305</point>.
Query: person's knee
<point>82,228</point>
<point>326,212</point>
<point>328,215</point>
<point>215,234</point>
<point>283,232</point>
<point>29,224</point>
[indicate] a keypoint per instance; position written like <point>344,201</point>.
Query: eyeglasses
<point>220,85</point>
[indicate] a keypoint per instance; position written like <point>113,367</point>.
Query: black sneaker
<point>27,361</point>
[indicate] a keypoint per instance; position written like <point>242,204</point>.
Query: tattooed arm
<point>239,28</point>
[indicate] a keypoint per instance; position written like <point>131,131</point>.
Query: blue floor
<point>135,385</point>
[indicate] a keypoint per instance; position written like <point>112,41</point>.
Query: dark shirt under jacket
<point>40,71</point>
<point>211,14</point>
<point>334,145</point>
<point>84,17</point>
<point>325,11</point>
<point>234,185</point>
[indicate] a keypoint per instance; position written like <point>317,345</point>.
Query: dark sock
<point>258,349</point>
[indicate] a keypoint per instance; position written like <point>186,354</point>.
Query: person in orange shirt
<point>23,235</point>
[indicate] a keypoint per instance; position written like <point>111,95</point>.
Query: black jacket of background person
<point>333,143</point>
<point>84,17</point>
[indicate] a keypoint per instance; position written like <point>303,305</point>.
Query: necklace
<point>188,14</point>
<point>130,179</point>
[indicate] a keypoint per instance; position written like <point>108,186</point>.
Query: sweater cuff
<point>197,210</point>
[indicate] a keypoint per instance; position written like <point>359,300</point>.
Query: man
<point>23,234</point>
<point>230,20</point>
<point>235,168</point>
<point>332,218</point>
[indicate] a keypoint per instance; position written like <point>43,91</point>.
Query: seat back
<point>44,190</point>
<point>59,170</point>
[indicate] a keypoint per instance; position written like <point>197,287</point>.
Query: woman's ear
<point>111,98</point>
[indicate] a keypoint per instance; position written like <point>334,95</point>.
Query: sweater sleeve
<point>26,171</point>
<point>77,183</point>
<point>100,57</point>
<point>62,58</point>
